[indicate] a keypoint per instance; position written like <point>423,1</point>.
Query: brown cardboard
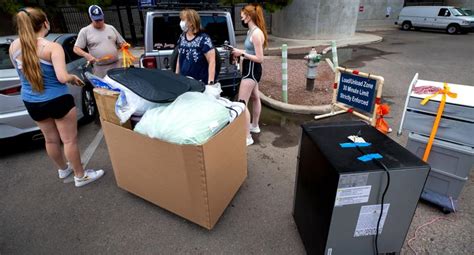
<point>105,100</point>
<point>195,182</point>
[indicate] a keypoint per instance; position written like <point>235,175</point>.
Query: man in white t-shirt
<point>102,42</point>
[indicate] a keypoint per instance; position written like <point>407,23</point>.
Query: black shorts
<point>251,70</point>
<point>55,108</point>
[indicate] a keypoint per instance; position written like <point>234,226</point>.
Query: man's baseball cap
<point>96,13</point>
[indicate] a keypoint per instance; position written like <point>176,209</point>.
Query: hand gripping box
<point>196,182</point>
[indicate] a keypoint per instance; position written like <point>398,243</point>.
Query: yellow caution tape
<point>445,91</point>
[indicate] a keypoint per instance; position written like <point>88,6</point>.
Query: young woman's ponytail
<point>260,22</point>
<point>29,21</point>
<point>255,11</point>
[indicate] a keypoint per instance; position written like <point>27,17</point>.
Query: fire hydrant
<point>313,59</point>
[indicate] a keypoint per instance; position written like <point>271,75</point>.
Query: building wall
<point>461,3</point>
<point>316,19</point>
<point>373,15</point>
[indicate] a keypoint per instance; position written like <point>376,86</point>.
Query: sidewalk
<point>276,42</point>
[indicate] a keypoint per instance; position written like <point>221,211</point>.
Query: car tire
<point>452,29</point>
<point>406,25</point>
<point>89,107</point>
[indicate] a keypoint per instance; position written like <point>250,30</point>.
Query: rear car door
<point>165,33</point>
<point>14,119</point>
<point>161,41</point>
<point>74,65</point>
<point>10,98</point>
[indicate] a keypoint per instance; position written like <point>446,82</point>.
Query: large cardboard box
<point>195,182</point>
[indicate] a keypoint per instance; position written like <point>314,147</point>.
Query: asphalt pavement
<point>39,214</point>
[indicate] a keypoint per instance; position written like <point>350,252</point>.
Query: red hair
<point>255,12</point>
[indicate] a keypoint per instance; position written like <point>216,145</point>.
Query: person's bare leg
<point>245,90</point>
<point>256,106</point>
<point>67,127</point>
<point>52,142</point>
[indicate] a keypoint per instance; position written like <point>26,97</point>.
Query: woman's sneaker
<point>255,130</point>
<point>89,176</point>
<point>249,140</point>
<point>66,172</point>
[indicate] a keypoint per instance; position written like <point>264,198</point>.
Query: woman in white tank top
<point>257,39</point>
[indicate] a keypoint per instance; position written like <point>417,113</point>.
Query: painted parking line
<point>87,154</point>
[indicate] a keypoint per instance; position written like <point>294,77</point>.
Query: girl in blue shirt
<point>41,67</point>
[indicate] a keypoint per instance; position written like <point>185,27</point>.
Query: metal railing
<point>128,20</point>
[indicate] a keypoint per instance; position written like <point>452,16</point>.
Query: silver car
<point>14,119</point>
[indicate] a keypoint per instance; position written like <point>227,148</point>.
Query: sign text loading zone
<point>358,92</point>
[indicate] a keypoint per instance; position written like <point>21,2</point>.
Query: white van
<point>449,18</point>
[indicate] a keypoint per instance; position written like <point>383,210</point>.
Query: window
<point>216,28</point>
<point>5,62</point>
<point>468,12</point>
<point>458,12</point>
<point>166,30</point>
<point>444,12</point>
<point>68,46</point>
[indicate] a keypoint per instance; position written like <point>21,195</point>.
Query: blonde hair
<point>29,21</point>
<point>255,12</point>
<point>192,17</point>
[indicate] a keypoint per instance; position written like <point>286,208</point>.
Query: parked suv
<point>162,31</point>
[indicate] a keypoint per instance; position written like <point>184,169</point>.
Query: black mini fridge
<point>337,200</point>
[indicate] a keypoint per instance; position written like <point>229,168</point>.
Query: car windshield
<point>458,12</point>
<point>467,12</point>
<point>5,62</point>
<point>166,30</point>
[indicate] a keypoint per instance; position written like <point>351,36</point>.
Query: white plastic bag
<point>98,82</point>
<point>129,103</point>
<point>192,118</point>
<point>213,91</point>
<point>235,108</point>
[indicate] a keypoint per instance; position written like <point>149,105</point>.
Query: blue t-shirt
<point>192,61</point>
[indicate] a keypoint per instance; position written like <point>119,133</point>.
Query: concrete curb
<point>326,50</point>
<point>357,39</point>
<point>316,109</point>
<point>292,108</point>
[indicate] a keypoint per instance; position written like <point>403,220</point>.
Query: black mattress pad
<point>155,85</point>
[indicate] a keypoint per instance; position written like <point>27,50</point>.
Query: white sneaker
<point>249,140</point>
<point>255,130</point>
<point>66,172</point>
<point>89,176</point>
